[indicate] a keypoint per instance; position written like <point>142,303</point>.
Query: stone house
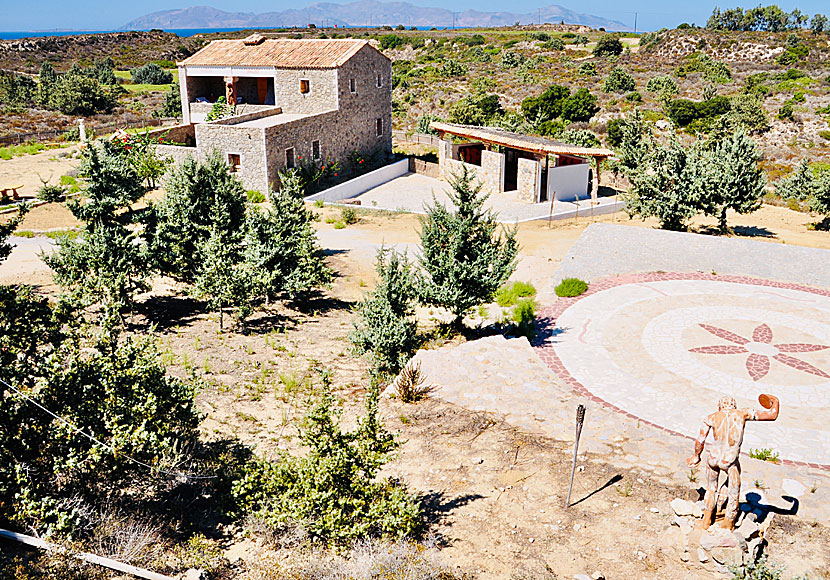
<point>296,102</point>
<point>534,169</point>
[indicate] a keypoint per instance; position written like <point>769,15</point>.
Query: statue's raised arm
<point>771,407</point>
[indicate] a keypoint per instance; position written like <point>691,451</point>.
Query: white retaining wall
<point>358,185</point>
<point>569,182</point>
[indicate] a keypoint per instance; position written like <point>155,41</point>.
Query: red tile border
<point>546,321</point>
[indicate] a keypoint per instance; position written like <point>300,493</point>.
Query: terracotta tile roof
<point>280,53</point>
<point>497,136</point>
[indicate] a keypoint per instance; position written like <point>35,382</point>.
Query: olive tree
<point>728,176</point>
<point>662,187</point>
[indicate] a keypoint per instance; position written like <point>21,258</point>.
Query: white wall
<point>569,182</point>
<point>358,185</point>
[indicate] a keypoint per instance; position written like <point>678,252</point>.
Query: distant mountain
<point>361,13</point>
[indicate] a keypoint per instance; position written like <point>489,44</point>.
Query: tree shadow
<point>437,505</point>
<point>617,478</point>
<point>267,322</point>
<point>165,312</point>
<point>822,226</point>
<point>546,331</point>
<point>753,232</point>
<point>320,303</point>
<point>742,231</point>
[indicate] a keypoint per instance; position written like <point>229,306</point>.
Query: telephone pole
<point>635,23</point>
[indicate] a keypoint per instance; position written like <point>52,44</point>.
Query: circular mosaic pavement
<point>663,348</point>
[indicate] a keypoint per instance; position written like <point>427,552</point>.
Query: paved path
<point>413,192</point>
<point>663,348</point>
<point>610,249</point>
<point>508,378</point>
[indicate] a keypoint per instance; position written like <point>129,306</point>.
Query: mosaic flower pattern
<point>760,349</point>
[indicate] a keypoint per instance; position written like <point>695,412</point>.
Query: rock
<point>195,574</point>
<point>701,556</point>
<point>478,461</point>
<point>748,527</point>
<point>581,577</point>
<point>662,124</point>
<point>684,557</point>
<point>684,507</point>
<point>598,575</point>
<point>727,556</point>
<point>793,487</point>
<point>718,538</point>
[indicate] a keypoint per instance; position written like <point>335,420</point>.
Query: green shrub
<point>764,454</point>
<point>255,196</point>
<point>634,97</point>
<point>663,85</point>
<point>570,287</point>
<point>508,294</point>
<point>151,74</point>
<point>608,45</point>
<point>512,59</point>
<point>52,193</point>
<point>587,69</point>
<point>824,134</point>
<point>684,112</point>
<point>385,327</point>
<point>524,316</point>
<point>348,215</point>
<point>332,491</point>
<point>388,41</point>
<point>618,81</point>
<point>452,68</point>
<point>554,44</point>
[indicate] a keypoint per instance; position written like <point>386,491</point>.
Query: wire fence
<point>55,134</point>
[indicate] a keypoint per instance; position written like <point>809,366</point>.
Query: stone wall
<point>322,95</point>
<point>177,133</point>
<point>492,166</point>
<point>490,174</point>
<point>529,180</point>
<point>177,153</point>
<point>247,142</point>
<point>254,113</point>
<point>361,110</point>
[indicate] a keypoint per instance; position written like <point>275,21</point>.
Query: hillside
<point>363,14</point>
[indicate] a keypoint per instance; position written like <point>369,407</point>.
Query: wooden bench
<point>4,191</point>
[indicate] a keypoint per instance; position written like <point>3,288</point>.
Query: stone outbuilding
<point>294,102</point>
<point>534,169</point>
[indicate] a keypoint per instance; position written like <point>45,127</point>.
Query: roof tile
<point>279,53</point>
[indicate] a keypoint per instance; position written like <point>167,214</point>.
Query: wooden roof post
<point>595,185</point>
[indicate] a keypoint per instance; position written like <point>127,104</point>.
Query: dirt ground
<point>494,495</point>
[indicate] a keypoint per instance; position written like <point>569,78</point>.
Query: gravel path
<point>605,250</point>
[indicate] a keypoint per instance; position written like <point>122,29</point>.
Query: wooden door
<point>261,90</point>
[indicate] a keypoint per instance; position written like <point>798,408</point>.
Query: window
<point>315,150</point>
<point>352,85</point>
<point>379,127</point>
<point>235,161</point>
<point>289,158</point>
<point>305,86</point>
<point>380,80</point>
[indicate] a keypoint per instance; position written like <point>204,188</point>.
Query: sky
<point>108,14</point>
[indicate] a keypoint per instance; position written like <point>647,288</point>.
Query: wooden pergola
<point>529,143</point>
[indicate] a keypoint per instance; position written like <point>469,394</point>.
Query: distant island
<point>363,13</point>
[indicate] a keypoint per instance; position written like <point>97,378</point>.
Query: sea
<point>178,31</point>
